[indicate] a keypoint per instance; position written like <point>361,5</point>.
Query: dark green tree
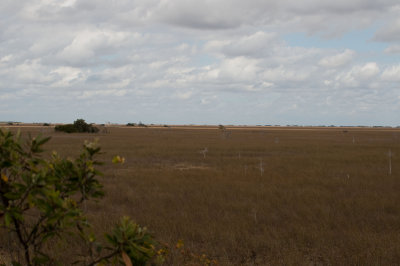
<point>79,126</point>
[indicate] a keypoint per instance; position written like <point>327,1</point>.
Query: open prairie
<point>253,196</point>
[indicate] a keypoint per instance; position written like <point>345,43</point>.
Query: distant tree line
<point>79,126</point>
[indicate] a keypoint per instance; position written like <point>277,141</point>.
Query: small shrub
<point>46,124</point>
<point>130,124</point>
<point>41,200</point>
<point>93,129</point>
<point>79,126</point>
<point>68,128</point>
<point>170,255</point>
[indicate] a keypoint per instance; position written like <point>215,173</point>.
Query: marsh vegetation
<point>323,197</point>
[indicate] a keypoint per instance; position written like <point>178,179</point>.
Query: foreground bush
<point>41,201</point>
<point>79,126</point>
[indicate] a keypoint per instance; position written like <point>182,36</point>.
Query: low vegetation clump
<point>140,124</point>
<point>79,126</point>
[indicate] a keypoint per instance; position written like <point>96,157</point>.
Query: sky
<point>232,62</point>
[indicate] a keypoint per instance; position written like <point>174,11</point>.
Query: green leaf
<point>12,195</point>
<point>111,239</point>
<point>99,247</point>
<point>43,141</point>
<point>7,219</point>
<point>41,260</point>
<point>16,214</point>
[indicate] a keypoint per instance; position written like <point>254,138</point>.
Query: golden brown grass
<point>321,200</point>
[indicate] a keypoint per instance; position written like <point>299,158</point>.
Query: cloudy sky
<point>305,62</point>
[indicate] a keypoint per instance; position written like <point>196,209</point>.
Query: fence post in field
<point>255,215</point>
<point>204,152</point>
<point>261,167</point>
<point>390,154</point>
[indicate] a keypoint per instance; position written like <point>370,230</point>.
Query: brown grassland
<point>324,197</point>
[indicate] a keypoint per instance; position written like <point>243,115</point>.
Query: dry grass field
<point>258,196</point>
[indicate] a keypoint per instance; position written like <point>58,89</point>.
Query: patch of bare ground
<point>188,166</point>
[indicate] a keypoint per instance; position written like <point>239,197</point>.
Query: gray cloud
<point>389,33</point>
<point>393,49</point>
<point>174,60</point>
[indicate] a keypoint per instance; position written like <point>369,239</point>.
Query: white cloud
<point>392,74</point>
<point>184,95</point>
<point>359,76</point>
<point>256,45</point>
<point>6,59</point>
<point>102,93</point>
<point>393,49</point>
<point>7,96</point>
<point>210,54</point>
<point>66,76</point>
<point>238,69</point>
<point>282,74</point>
<point>31,71</point>
<point>337,60</point>
<point>87,43</point>
<point>367,71</point>
<point>119,84</point>
<point>68,3</point>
